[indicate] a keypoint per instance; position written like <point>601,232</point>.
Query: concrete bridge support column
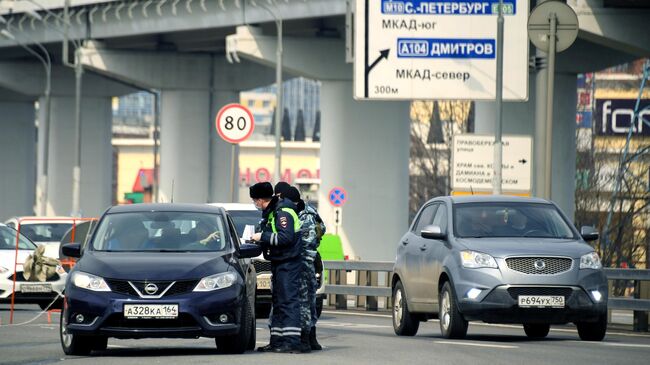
<point>365,150</point>
<point>96,155</point>
<point>184,144</point>
<point>222,154</point>
<point>18,151</point>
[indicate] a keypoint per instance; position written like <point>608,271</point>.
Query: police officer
<point>280,238</point>
<point>312,229</point>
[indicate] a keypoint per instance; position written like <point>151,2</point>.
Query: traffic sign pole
<point>235,123</point>
<point>498,145</point>
<point>552,28</point>
<point>549,107</point>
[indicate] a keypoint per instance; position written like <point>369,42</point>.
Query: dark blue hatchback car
<point>160,270</point>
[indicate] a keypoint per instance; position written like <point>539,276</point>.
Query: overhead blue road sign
<point>445,48</point>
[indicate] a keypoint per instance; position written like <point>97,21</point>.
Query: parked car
<point>161,270</point>
<point>80,233</point>
<point>247,215</point>
<point>42,293</point>
<point>46,231</point>
<point>498,259</point>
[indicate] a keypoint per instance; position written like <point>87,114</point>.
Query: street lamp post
<point>278,80</point>
<point>47,65</point>
<point>78,69</point>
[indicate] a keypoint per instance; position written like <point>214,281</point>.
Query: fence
<point>373,282</point>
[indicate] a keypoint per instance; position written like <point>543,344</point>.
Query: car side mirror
<point>433,232</point>
<point>247,251</point>
<point>589,233</point>
<point>71,249</point>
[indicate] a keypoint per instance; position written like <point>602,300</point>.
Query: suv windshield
<point>161,231</point>
<point>243,218</point>
<point>509,220</point>
<point>45,232</point>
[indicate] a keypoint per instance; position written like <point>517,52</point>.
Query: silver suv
<point>500,260</point>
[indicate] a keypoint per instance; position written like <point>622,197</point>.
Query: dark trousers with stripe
<point>285,321</point>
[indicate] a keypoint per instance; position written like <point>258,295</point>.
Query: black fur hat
<point>263,190</point>
<point>292,194</point>
<point>281,188</point>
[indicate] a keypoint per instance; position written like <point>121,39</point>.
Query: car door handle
<point>405,242</point>
<point>423,247</point>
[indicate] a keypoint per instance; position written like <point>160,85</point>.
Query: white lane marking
<point>359,314</point>
<point>624,334</point>
<point>614,344</point>
<point>476,344</point>
<point>352,325</point>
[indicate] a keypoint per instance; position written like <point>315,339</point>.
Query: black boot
<point>273,344</point>
<point>286,348</point>
<point>305,345</point>
<point>313,343</point>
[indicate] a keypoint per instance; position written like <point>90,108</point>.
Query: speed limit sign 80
<point>235,123</point>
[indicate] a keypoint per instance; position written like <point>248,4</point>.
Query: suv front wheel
<point>593,331</point>
<point>452,323</point>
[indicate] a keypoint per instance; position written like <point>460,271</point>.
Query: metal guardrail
<point>372,291</point>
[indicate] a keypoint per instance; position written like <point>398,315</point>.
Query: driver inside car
<point>128,236</point>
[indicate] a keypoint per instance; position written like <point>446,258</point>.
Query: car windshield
<point>161,232</point>
<point>243,218</point>
<point>509,220</point>
<point>8,240</point>
<point>45,232</point>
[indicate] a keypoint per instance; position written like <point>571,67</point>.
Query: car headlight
<point>218,281</point>
<point>90,282</point>
<point>590,261</point>
<point>475,260</point>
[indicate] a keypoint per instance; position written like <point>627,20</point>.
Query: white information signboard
<point>438,49</point>
<point>473,156</point>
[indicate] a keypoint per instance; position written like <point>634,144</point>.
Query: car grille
<point>20,277</point>
<point>551,265</point>
<point>117,320</point>
<point>262,266</point>
<point>179,287</point>
<point>515,292</point>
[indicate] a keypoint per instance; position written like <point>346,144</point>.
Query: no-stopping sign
<point>235,123</point>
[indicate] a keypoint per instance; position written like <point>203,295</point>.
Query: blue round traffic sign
<point>338,196</point>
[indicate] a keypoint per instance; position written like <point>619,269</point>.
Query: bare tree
<point>433,125</point>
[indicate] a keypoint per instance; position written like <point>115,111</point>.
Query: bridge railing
<point>371,287</point>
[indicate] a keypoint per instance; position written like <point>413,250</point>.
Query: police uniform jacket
<point>281,237</point>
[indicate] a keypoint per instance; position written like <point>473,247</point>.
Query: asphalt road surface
<point>348,338</point>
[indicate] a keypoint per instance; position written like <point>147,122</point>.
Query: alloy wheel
<point>398,310</point>
<point>65,336</point>
<point>445,315</point>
